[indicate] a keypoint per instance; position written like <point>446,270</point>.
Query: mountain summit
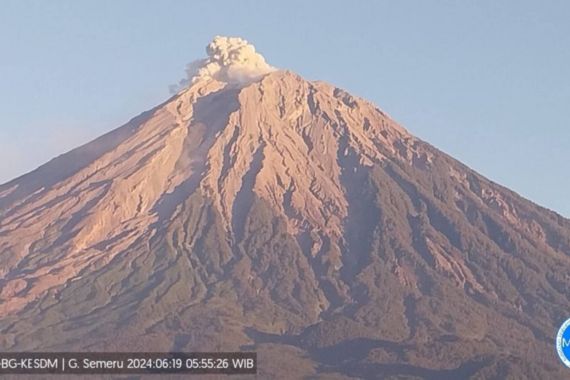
<point>256,210</point>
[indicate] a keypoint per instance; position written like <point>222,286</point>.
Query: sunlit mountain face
<point>255,210</point>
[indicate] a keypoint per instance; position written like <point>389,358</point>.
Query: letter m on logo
<point>565,343</point>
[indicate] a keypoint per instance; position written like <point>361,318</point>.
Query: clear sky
<point>486,81</point>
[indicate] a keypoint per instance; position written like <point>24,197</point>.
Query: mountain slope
<point>288,217</point>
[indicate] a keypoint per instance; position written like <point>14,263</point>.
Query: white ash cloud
<point>230,60</point>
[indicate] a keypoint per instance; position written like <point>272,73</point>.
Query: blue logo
<point>563,343</point>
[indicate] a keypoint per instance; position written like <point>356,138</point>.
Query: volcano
<point>255,210</point>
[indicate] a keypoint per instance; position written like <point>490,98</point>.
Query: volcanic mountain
<point>255,210</point>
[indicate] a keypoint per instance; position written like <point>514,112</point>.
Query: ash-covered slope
<point>257,210</point>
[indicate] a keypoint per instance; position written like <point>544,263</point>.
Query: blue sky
<point>488,82</point>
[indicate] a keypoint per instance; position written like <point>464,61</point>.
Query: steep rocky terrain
<point>287,217</point>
